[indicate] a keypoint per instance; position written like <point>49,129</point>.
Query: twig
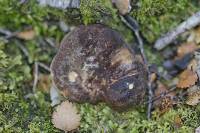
<point>36,74</point>
<point>163,94</point>
<point>23,49</point>
<point>133,25</point>
<point>8,34</point>
<point>50,42</point>
<point>5,32</point>
<point>44,66</point>
<point>190,23</point>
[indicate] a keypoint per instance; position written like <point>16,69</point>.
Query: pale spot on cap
<point>72,76</point>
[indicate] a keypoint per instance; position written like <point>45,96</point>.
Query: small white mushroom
<point>66,117</point>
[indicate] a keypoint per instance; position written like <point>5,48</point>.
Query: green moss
<point>156,17</point>
<point>102,11</point>
<point>101,118</point>
<point>18,114</point>
<point>20,109</point>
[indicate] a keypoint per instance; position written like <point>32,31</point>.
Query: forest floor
<point>30,35</point>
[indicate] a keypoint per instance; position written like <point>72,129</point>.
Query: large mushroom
<point>94,64</point>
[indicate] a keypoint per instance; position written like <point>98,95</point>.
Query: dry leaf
<point>192,65</point>
<point>66,117</point>
<point>153,77</point>
<point>195,35</point>
<point>44,82</point>
<point>166,102</point>
<point>186,48</point>
<point>163,89</point>
<point>123,6</point>
<point>187,78</point>
<point>193,95</point>
<point>26,35</point>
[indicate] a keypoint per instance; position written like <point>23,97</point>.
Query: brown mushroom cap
<point>93,64</point>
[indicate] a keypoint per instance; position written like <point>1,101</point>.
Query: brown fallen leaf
<point>187,78</point>
<point>163,89</point>
<point>153,77</point>
<point>66,117</point>
<point>192,65</point>
<point>44,82</point>
<point>195,35</point>
<point>193,97</point>
<point>26,35</point>
<point>186,48</point>
<point>166,102</point>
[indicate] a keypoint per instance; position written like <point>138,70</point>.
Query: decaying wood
<point>190,23</point>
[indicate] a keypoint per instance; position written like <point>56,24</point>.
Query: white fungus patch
<point>130,86</point>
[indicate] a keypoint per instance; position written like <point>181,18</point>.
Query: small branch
<point>23,49</point>
<point>133,25</point>
<point>44,66</point>
<point>5,32</point>
<point>190,23</point>
<point>163,94</point>
<point>36,74</point>
<point>50,42</point>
